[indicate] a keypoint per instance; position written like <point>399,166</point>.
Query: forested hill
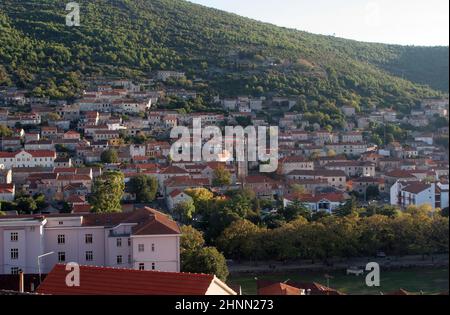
<point>234,55</point>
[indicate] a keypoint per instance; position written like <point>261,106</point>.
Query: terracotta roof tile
<point>113,281</point>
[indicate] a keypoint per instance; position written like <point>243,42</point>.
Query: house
<point>335,178</point>
<point>353,168</point>
<point>426,138</point>
<point>7,192</point>
<point>63,162</point>
<point>392,177</point>
<point>327,202</point>
<point>114,281</point>
<point>294,163</point>
<point>11,143</point>
<point>72,135</point>
<point>105,135</point>
<point>31,158</point>
<point>182,183</point>
<point>349,111</point>
<point>165,75</point>
<point>361,184</point>
<point>176,197</point>
<point>404,194</point>
<point>42,144</point>
<point>32,136</point>
<point>263,186</point>
<point>348,148</point>
<point>280,289</point>
<point>310,288</point>
<point>144,239</point>
<point>352,137</point>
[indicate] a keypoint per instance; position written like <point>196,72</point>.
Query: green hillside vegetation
<point>232,54</point>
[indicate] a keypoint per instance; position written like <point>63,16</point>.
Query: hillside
<point>234,55</point>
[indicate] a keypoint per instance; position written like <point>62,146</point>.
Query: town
<point>93,180</point>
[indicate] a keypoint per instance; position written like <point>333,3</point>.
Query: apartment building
<point>405,194</point>
<point>144,239</point>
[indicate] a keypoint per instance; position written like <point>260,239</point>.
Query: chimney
<point>21,282</point>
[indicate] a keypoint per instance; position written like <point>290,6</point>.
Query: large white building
<point>30,158</point>
<point>418,193</point>
<point>144,239</point>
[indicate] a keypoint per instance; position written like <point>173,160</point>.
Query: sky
<point>405,22</point>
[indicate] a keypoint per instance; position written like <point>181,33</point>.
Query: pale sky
<point>406,22</point>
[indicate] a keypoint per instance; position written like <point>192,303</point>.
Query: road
<point>388,262</point>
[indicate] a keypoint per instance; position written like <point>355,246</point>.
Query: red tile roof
<point>149,221</point>
<point>332,197</point>
<point>79,209</point>
<point>279,289</point>
<point>416,187</point>
<point>6,188</point>
<point>113,281</point>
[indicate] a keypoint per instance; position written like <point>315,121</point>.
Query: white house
<point>416,193</point>
<point>318,202</point>
<point>30,158</point>
<point>144,239</point>
<point>176,197</point>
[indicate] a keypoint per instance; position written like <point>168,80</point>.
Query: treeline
<point>415,231</point>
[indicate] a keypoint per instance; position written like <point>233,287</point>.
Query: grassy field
<point>430,281</point>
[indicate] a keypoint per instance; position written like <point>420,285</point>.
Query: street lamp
<point>39,263</point>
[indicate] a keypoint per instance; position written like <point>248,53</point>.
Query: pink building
<point>144,239</point>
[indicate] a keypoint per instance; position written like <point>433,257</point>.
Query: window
<point>129,259</point>
<point>14,237</point>
<point>15,270</point>
<point>141,266</point>
<point>88,238</point>
<point>129,242</point>
<point>14,253</point>
<point>61,239</point>
<point>61,256</point>
<point>89,256</point>
<point>119,242</point>
<point>119,259</point>
<point>153,266</point>
<point>140,248</point>
<point>153,247</point>
<point>60,222</point>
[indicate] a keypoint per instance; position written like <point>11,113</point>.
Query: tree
<point>221,177</point>
<point>331,153</point>
<point>199,259</point>
<point>295,210</point>
<point>348,208</point>
<point>41,203</point>
<point>239,240</point>
<point>144,187</point>
<point>372,192</point>
<point>26,204</point>
<point>54,116</point>
<point>107,192</point>
<point>5,131</point>
<point>210,261</point>
<point>185,211</point>
<point>191,240</point>
<point>109,156</point>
